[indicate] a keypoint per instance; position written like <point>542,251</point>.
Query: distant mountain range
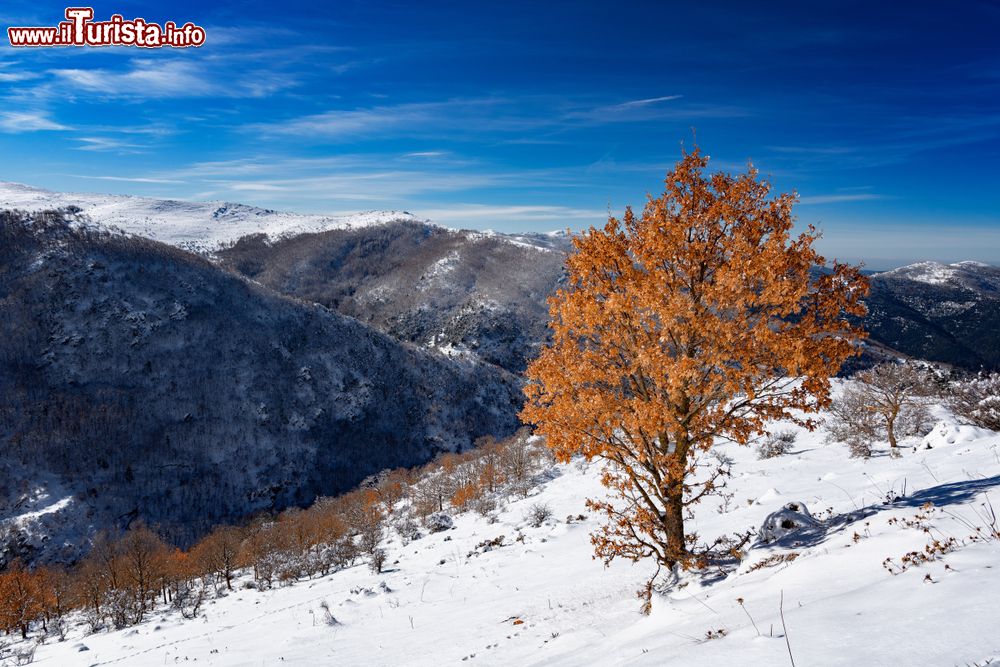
<point>457,291</point>
<point>483,293</point>
<point>189,363</point>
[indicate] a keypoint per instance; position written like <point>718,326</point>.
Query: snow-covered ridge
<point>198,226</point>
<point>206,226</point>
<point>936,273</point>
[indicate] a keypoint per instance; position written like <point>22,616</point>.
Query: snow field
<point>542,599</point>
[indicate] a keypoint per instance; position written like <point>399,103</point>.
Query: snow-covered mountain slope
<point>198,226</point>
<point>471,292</point>
<point>207,226</point>
<point>972,275</point>
<point>939,312</point>
<point>540,598</point>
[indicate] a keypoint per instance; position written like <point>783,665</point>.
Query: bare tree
<point>853,423</point>
<point>219,551</point>
<point>887,400</point>
<point>144,556</point>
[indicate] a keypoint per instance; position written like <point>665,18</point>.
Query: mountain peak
<point>938,273</point>
<point>199,226</point>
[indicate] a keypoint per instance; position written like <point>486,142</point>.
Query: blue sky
<point>884,117</point>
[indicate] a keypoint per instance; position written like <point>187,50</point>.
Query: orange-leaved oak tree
<point>696,322</point>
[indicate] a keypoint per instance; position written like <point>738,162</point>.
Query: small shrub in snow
<point>773,560</point>
<point>538,514</point>
<point>408,530</point>
<point>978,400</point>
<point>935,550</point>
<point>484,505</point>
<point>377,560</point>
<point>852,423</point>
<point>776,444</point>
<point>25,655</point>
<point>328,617</point>
<point>58,628</point>
<point>486,545</point>
<point>439,521</point>
<point>859,448</point>
<point>189,596</point>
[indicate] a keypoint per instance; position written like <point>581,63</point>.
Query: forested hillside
<point>140,381</point>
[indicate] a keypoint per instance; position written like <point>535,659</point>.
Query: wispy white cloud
<point>124,179</point>
<point>488,213</point>
<point>502,120</point>
<point>226,35</point>
<point>349,123</point>
<point>372,185</point>
<point>635,104</point>
<point>10,75</point>
<point>28,121</point>
<point>652,109</point>
<point>534,141</point>
<point>379,177</point>
<point>426,154</point>
<point>108,144</point>
<point>839,198</point>
<point>813,150</point>
<point>173,78</point>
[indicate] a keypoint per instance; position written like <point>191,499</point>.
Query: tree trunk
<point>891,432</point>
<point>673,518</point>
<point>673,523</point>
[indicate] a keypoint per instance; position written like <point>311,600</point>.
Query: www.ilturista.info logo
<point>79,29</point>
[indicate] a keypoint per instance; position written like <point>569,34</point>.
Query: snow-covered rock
<point>789,520</point>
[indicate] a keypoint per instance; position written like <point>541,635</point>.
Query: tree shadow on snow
<point>949,494</point>
<point>941,495</point>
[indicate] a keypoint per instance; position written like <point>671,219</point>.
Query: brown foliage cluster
<point>473,480</point>
<point>702,318</point>
<point>125,577</point>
